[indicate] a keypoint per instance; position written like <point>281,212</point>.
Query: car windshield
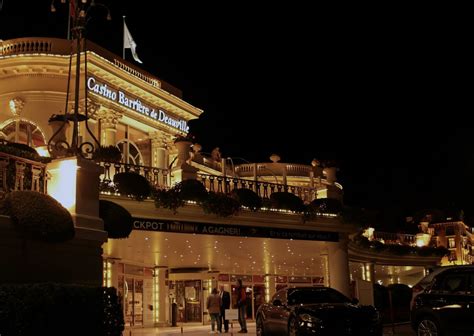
<point>315,295</point>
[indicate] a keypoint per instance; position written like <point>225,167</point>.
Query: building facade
<point>171,257</point>
<point>142,115</point>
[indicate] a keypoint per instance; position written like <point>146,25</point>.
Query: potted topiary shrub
<point>247,198</point>
<point>132,184</point>
<point>186,190</point>
<point>286,201</point>
<point>117,220</point>
<point>191,190</point>
<point>220,204</point>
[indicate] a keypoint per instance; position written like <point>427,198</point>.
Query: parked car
<point>421,285</point>
<point>446,306</point>
<point>316,311</point>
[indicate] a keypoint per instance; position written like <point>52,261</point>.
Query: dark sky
<point>387,95</point>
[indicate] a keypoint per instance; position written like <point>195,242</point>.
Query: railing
<point>275,169</point>
<point>224,184</point>
<point>395,238</point>
<point>298,170</point>
<point>17,173</point>
<point>158,178</point>
<point>153,81</point>
<point>35,45</point>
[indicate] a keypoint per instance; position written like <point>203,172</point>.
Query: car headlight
<point>309,318</point>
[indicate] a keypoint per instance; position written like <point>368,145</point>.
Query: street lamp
<point>57,145</point>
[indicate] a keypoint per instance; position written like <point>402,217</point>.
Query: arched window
<point>130,152</point>
<point>22,131</point>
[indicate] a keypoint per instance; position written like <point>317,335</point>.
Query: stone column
<point>369,272</point>
<point>74,183</point>
<point>338,265</point>
<point>110,273</point>
<point>160,295</point>
<point>108,126</point>
<point>270,287</point>
<point>159,152</point>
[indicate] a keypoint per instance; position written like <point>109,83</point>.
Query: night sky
<point>386,96</point>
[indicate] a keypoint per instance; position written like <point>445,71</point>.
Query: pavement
<point>200,330</point>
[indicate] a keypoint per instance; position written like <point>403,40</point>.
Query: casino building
<point>172,257</point>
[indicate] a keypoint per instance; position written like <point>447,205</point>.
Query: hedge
<point>58,309</point>
<point>38,216</point>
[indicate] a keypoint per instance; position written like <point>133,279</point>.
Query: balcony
<point>17,173</point>
<point>225,184</point>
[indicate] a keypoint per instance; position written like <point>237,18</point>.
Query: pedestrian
<point>242,306</point>
<point>214,307</point>
<point>225,304</point>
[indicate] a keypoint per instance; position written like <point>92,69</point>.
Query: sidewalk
<point>200,330</point>
<point>400,330</point>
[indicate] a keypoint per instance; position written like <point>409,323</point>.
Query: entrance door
<point>188,298</point>
<point>133,301</point>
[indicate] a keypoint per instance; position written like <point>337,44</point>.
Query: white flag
<point>128,42</point>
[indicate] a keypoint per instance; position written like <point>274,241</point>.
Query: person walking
<point>213,306</point>
<point>242,306</point>
<point>225,304</point>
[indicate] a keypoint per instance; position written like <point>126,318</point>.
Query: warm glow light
<point>422,239</point>
<point>369,233</point>
<point>42,151</point>
<point>63,183</point>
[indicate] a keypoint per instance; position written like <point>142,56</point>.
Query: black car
<point>446,307</point>
<point>316,311</point>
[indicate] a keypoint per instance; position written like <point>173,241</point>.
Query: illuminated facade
<point>171,257</point>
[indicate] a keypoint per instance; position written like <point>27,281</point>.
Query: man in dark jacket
<point>242,306</point>
<point>225,300</point>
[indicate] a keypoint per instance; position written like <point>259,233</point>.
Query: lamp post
<point>78,14</point>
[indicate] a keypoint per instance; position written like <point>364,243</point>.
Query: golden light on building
<point>422,239</point>
<point>63,183</point>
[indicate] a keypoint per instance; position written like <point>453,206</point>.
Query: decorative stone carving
<point>275,158</point>
<point>197,148</point>
<point>16,106</point>
<point>108,118</point>
<point>92,107</point>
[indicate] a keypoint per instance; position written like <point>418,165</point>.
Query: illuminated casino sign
<point>135,104</point>
<point>147,224</point>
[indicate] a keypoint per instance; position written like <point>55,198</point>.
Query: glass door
<point>188,297</point>
<point>133,301</point>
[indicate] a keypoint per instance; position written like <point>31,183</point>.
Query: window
<point>451,243</point>
<point>130,152</point>
<point>134,145</point>
<point>452,283</point>
<point>281,295</point>
<point>22,131</point>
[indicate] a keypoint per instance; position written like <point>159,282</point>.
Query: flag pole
<point>69,23</point>
<point>123,40</point>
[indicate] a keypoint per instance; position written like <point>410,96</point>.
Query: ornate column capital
<point>92,107</point>
<point>108,118</point>
<point>160,140</point>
